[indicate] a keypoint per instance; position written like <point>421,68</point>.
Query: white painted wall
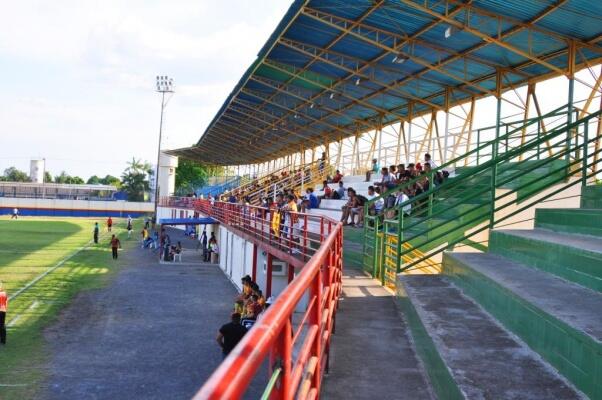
<point>65,204</point>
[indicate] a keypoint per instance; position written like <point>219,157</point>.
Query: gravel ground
<point>150,334</point>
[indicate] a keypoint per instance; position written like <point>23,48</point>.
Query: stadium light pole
<point>164,85</point>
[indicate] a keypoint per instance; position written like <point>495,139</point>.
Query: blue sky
<point>78,76</point>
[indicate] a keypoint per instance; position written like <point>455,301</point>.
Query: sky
<point>78,77</point>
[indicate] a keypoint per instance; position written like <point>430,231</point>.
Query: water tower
<point>36,170</point>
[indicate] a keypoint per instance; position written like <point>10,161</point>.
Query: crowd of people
<point>248,308</point>
<point>418,178</point>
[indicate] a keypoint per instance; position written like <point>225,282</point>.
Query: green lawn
<point>28,248</point>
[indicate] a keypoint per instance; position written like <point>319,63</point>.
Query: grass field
<point>30,247</point>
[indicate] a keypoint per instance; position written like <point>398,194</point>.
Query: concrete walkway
<point>149,335</point>
<point>371,354</point>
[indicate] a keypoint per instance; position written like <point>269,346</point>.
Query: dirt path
<point>150,334</point>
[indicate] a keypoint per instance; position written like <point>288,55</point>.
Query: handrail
<point>273,336</point>
<point>421,234</point>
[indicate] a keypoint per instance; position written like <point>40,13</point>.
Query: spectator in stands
<point>402,197</point>
<point>428,159</point>
<point>411,171</point>
<point>358,210</point>
<point>393,172</point>
<point>203,242</point>
<point>291,220</point>
<point>310,201</point>
<point>339,192</point>
<point>115,244</point>
<point>351,203</point>
<point>109,224</point>
<point>401,172</point>
<point>232,198</point>
<point>96,232</point>
<point>3,310</point>
<point>230,334</point>
<point>437,175</point>
<point>337,177</point>
<point>379,203</point>
<point>322,163</point>
<point>373,169</point>
<point>386,181</point>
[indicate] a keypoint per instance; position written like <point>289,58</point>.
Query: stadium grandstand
<point>449,149</point>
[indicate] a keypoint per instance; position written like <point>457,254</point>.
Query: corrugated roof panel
<point>420,71</point>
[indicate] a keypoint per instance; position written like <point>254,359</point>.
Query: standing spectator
<point>429,160</point>
<point>230,334</point>
<point>115,244</point>
<point>213,249</point>
<point>129,227</point>
<point>96,231</point>
<point>373,169</point>
<point>15,214</point>
<point>322,163</point>
<point>3,309</point>
<point>109,224</point>
<point>203,242</point>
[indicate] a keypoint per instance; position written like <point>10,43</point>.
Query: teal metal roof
<point>333,67</point>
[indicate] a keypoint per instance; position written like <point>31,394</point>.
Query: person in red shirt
<point>115,244</point>
<point>3,309</point>
<point>337,177</point>
<point>109,224</point>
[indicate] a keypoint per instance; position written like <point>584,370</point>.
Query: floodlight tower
<point>164,85</point>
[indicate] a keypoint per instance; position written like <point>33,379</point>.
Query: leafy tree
<point>93,180</point>
<point>12,174</point>
<point>62,178</point>
<point>190,175</point>
<point>111,180</point>
<point>76,180</point>
<point>47,177</point>
<point>134,180</point>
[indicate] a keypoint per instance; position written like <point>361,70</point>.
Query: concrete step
<point>570,220</point>
<point>591,197</point>
<point>577,258</point>
<point>466,352</point>
<point>535,305</point>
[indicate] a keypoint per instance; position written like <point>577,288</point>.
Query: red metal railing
<point>296,344</point>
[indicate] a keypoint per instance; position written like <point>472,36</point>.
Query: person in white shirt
<point>401,198</point>
<point>428,159</point>
<point>15,214</point>
<point>379,204</point>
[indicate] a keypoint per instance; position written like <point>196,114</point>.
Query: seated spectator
<point>402,197</point>
<point>230,334</point>
<point>379,204</point>
<point>411,171</point>
<point>358,210</point>
<point>401,173</point>
<point>437,175</point>
<point>339,192</point>
<point>374,168</point>
<point>337,177</point>
<point>393,172</point>
<point>352,203</point>
<point>386,181</point>
<point>327,192</point>
<point>371,195</point>
<point>311,199</point>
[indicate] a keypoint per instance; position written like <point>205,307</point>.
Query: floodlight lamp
<point>399,59</point>
<point>311,105</point>
<point>331,96</point>
<point>448,31</point>
<point>357,81</point>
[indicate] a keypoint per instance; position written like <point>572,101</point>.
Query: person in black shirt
<point>230,334</point>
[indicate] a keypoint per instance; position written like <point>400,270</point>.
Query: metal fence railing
<point>296,348</point>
